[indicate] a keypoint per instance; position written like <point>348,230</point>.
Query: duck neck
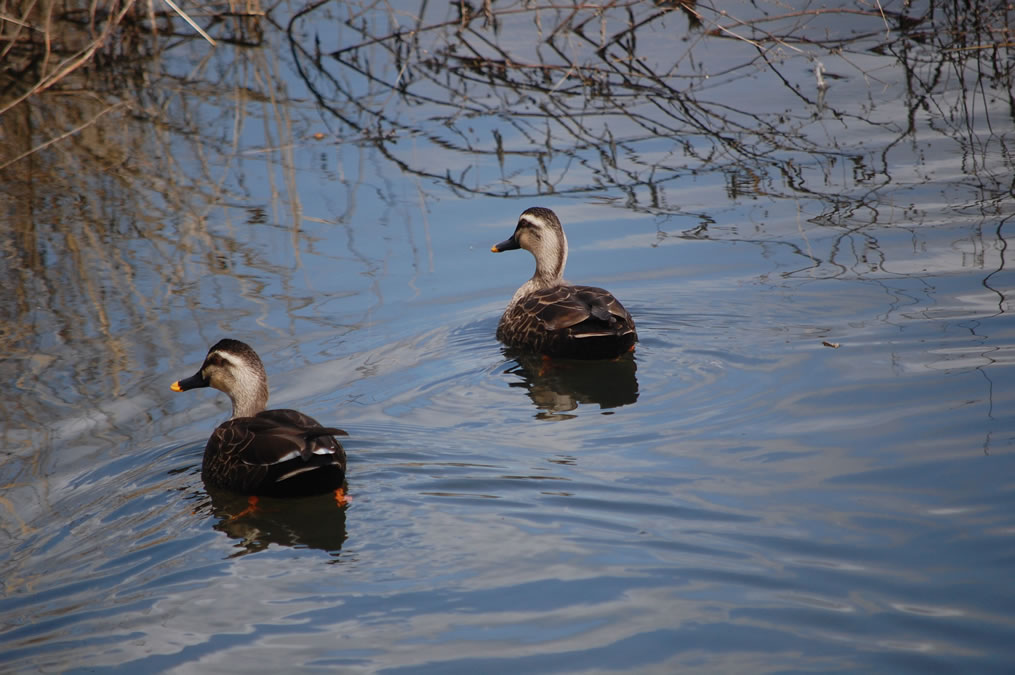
<point>550,264</point>
<point>249,400</point>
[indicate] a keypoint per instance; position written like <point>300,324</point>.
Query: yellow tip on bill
<point>494,249</point>
<point>175,386</point>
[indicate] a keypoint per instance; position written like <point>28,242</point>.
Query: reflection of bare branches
<point>16,33</point>
<point>1002,250</point>
<point>520,99</point>
<point>63,136</point>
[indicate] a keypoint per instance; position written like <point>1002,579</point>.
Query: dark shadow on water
<point>309,522</point>
<point>558,386</point>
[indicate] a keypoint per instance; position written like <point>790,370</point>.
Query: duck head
<point>234,368</point>
<point>539,232</point>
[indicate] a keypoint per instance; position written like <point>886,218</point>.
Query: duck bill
<point>506,245</point>
<point>192,382</point>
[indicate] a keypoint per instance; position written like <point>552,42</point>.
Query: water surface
<point>805,466</point>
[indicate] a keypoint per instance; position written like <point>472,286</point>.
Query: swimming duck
<point>281,453</point>
<point>552,317</point>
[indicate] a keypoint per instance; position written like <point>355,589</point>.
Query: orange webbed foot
<point>341,498</point>
<point>251,508</point>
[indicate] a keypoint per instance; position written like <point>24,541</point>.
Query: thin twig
<point>888,29</point>
<point>64,135</point>
<point>192,23</point>
<point>993,45</point>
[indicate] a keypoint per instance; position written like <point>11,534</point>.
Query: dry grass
<point>44,42</point>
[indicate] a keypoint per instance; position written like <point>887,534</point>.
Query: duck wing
<point>275,436</point>
<point>564,306</point>
<point>603,306</point>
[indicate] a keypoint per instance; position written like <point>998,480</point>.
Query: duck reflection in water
<point>558,386</point>
<point>310,522</point>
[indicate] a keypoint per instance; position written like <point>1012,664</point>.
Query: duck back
<point>566,321</point>
<point>277,453</point>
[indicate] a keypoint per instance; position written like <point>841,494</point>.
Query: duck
<point>552,317</point>
<point>276,453</point>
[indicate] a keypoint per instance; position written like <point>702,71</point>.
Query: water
<point>805,466</point>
